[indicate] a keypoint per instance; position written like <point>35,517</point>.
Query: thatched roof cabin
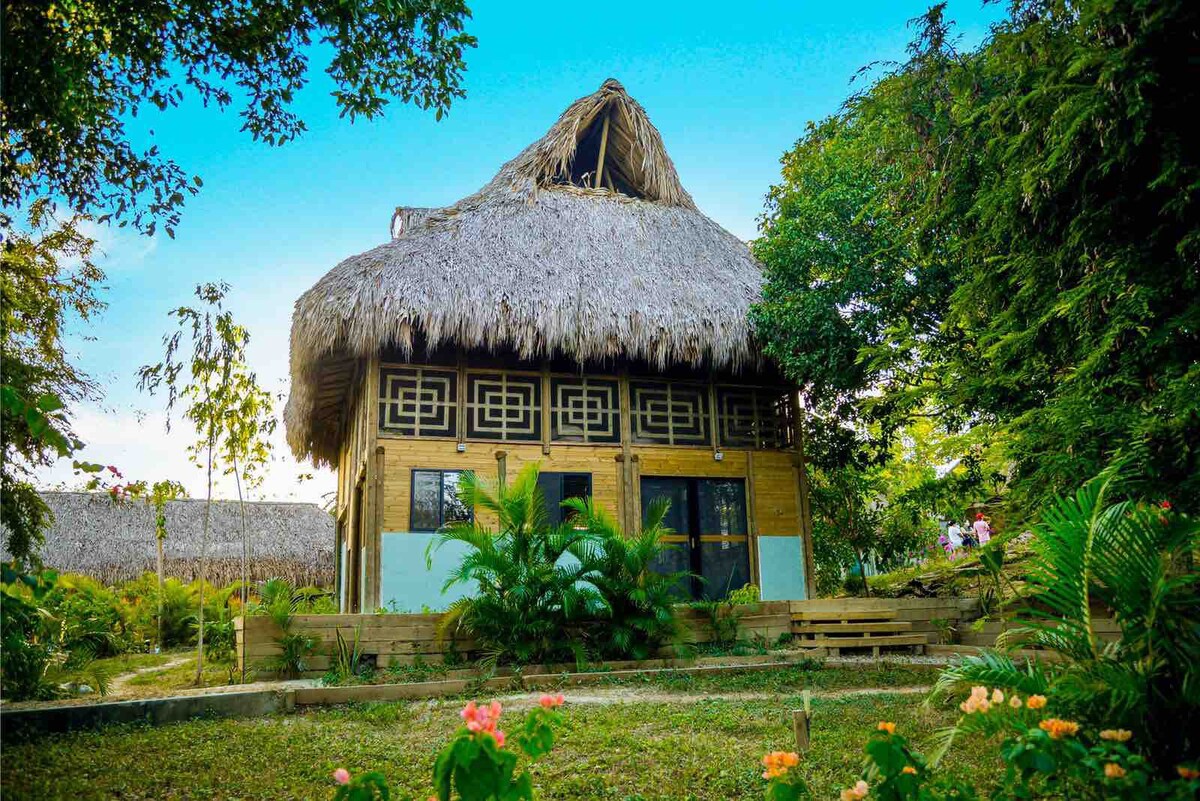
<point>551,257</point>
<point>116,541</point>
<point>577,312</point>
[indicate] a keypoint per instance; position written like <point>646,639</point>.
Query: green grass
<point>785,680</point>
<point>126,663</point>
<point>638,750</point>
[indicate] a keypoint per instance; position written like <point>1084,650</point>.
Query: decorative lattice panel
<point>417,402</point>
<point>503,406</point>
<point>585,410</point>
<point>669,414</point>
<point>749,417</point>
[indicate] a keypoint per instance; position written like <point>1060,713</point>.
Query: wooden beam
<point>603,147</point>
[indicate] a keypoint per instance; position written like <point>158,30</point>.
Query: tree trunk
<point>161,584</point>
<point>245,592</point>
<point>204,568</point>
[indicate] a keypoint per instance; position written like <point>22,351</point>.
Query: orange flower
<point>1058,729</point>
<point>1113,771</point>
<point>1036,701</point>
<point>859,790</point>
<point>1116,735</point>
<point>1186,772</point>
<point>887,726</point>
<point>909,769</point>
<point>778,763</point>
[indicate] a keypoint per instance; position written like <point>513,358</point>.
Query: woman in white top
<point>954,534</point>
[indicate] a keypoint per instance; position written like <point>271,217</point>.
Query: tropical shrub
<point>476,765</point>
<point>1135,561</point>
<point>532,585</point>
<point>544,593</point>
<point>638,616</point>
<point>89,616</point>
<point>1044,757</point>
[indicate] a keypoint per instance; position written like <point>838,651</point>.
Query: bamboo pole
<point>603,147</point>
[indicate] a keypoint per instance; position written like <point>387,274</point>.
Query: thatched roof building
<point>116,541</point>
<point>585,246</point>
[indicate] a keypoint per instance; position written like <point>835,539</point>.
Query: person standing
<point>983,531</point>
<point>954,534</point>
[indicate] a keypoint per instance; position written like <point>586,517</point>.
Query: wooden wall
<point>402,639</point>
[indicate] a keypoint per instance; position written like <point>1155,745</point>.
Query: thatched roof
<point>539,261</point>
<point>116,541</point>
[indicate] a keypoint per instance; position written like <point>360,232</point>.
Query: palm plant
<point>1134,560</point>
<point>638,601</point>
<point>531,580</point>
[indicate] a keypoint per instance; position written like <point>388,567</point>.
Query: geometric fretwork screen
<point>503,406</point>
<point>417,402</point>
<point>585,410</point>
<point>753,417</point>
<point>669,413</point>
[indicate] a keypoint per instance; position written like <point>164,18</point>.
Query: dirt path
<point>633,695</point>
<point>119,682</point>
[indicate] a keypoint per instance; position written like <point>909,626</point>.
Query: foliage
<point>346,658</point>
<point>38,660</point>
<point>475,765</point>
<point>1134,560</point>
<point>528,598</point>
<point>578,590</point>
<point>1007,238</point>
<point>1045,758</point>
<point>638,601</point>
<point>223,400</point>
<point>85,68</point>
<point>48,276</point>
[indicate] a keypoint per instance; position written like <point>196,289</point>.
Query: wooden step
<point>844,616</point>
<point>881,641</point>
<point>894,627</point>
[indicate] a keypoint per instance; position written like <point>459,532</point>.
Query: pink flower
<point>550,701</point>
<point>341,776</point>
<point>499,735</point>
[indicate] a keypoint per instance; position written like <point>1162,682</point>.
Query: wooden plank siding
<point>402,639</point>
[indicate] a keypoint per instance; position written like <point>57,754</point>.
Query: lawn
<point>649,746</point>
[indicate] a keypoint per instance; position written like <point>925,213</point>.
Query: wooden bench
<point>855,628</point>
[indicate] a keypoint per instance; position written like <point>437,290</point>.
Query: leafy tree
<point>76,73</point>
<point>48,277</point>
<point>217,389</point>
<point>1008,236</point>
<point>84,68</point>
<point>161,493</point>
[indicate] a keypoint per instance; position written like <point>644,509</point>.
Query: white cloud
<point>141,448</point>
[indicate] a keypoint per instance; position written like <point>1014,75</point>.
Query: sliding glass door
<point>707,517</point>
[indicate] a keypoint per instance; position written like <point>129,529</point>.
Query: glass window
<point>558,487</point>
<point>750,417</point>
<point>435,500</point>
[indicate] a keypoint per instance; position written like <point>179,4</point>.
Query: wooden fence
<point>405,639</point>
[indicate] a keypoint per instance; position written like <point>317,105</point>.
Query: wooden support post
<point>501,468</point>
<point>802,497</point>
<point>625,459</point>
<point>603,147</point>
<point>800,724</point>
<point>546,405</point>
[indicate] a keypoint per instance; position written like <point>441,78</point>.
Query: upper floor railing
<point>484,404</point>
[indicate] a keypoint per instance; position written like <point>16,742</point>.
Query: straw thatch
<point>540,262</point>
<point>116,542</point>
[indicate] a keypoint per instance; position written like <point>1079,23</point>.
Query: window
<point>558,487</point>
<point>504,406</point>
<point>585,410</point>
<point>435,500</point>
<point>418,402</point>
<point>753,417</point>
<point>669,413</point>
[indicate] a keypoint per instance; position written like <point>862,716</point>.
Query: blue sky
<point>729,86</point>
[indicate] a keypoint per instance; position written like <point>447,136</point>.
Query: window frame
<point>561,475</point>
<point>412,496</point>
